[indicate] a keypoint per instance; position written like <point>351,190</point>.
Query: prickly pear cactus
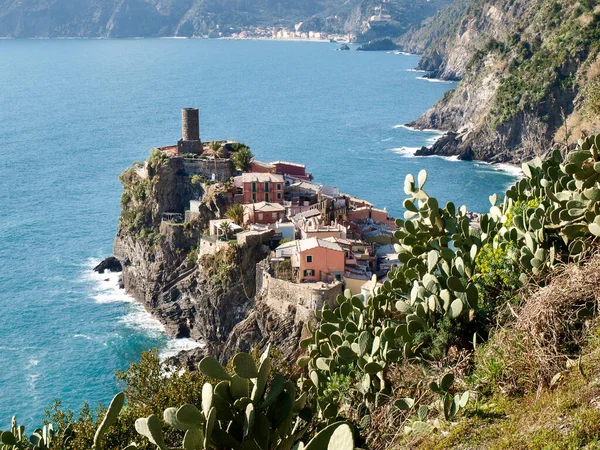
<point>550,215</point>
<point>242,410</point>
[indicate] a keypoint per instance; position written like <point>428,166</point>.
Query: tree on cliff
<point>242,158</point>
<point>216,150</point>
<point>236,213</point>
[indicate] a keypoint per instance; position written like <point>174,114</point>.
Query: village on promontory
<point>223,235</point>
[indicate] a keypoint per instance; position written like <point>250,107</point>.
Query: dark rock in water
<point>467,154</point>
<point>378,45</point>
<point>447,145</point>
<point>187,359</point>
<point>111,264</point>
<point>424,151</point>
<point>121,283</point>
<point>344,47</point>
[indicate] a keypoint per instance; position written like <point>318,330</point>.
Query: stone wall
<point>210,245</point>
<point>297,299</point>
<point>254,238</point>
<point>206,167</point>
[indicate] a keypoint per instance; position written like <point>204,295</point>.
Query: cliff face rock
<point>524,68</point>
<point>160,260</point>
<point>193,289</point>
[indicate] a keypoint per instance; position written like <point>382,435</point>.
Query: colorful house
<point>314,259</point>
<point>262,187</point>
<point>292,169</point>
<point>263,213</point>
<point>281,168</point>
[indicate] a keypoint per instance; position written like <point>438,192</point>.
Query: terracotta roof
<point>265,207</point>
<point>249,177</point>
<point>308,244</point>
<point>303,245</point>
<point>288,164</point>
<point>263,164</point>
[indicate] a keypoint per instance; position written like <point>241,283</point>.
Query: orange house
<point>319,260</point>
<point>262,187</point>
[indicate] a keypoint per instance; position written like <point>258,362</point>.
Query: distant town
<point>288,34</point>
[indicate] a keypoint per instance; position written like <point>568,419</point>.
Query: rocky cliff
<point>148,18</point>
<point>528,71</point>
<point>209,296</point>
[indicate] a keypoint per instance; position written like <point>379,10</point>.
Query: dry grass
<point>550,321</point>
<point>549,328</point>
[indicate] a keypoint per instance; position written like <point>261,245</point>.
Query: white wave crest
<point>105,289</point>
<point>417,130</point>
<point>408,152</point>
<point>515,171</point>
<point>83,336</point>
<point>434,80</point>
<point>175,346</point>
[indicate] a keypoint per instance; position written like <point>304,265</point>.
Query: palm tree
<point>242,158</point>
<point>215,149</point>
<point>236,213</point>
<point>225,228</point>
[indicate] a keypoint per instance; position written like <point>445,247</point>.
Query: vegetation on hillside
<point>478,319</point>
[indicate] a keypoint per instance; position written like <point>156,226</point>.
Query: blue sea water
<point>76,113</point>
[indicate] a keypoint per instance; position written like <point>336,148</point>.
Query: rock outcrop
<point>111,264</point>
<point>196,291</point>
<point>378,45</point>
<point>525,70</point>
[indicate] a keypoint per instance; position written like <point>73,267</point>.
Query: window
<point>266,196</point>
<point>308,258</point>
<point>253,187</point>
<point>279,196</point>
<point>275,216</point>
<point>260,216</point>
<point>266,186</point>
<point>309,273</point>
<point>254,198</point>
<point>338,277</point>
<point>278,187</point>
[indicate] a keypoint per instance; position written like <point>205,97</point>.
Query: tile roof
<point>303,245</point>
<point>265,207</point>
<point>249,177</point>
<point>308,244</point>
<point>288,164</point>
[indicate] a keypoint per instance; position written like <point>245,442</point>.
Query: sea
<point>75,113</point>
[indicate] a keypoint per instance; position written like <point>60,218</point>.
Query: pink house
<point>321,260</point>
<point>315,259</point>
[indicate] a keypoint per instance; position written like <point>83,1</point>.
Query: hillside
<point>529,74</point>
<point>148,18</point>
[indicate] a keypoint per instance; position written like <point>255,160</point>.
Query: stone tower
<point>190,132</point>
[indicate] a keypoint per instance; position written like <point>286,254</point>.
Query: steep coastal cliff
<point>528,70</point>
<point>194,290</point>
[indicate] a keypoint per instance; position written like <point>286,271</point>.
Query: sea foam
<point>105,289</point>
<point>434,80</point>
<point>407,152</point>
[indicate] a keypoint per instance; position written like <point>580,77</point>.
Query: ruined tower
<point>190,132</point>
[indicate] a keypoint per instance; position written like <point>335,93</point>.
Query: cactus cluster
<point>552,214</point>
<point>244,411</point>
<point>345,338</point>
<point>43,438</point>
